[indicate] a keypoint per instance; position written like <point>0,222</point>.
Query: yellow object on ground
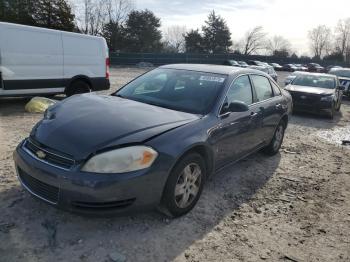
<point>39,104</point>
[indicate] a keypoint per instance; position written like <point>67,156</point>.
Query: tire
<point>331,114</point>
<point>277,140</point>
<point>78,87</point>
<point>185,181</point>
<point>338,107</point>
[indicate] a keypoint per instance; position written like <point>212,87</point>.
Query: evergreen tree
<point>194,42</point>
<point>17,11</point>
<point>142,33</point>
<point>114,33</point>
<point>217,36</point>
<point>54,14</point>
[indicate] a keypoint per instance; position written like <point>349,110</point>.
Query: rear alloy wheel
<point>276,141</point>
<point>184,186</point>
<point>78,87</point>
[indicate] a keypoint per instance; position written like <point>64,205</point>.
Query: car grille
<point>305,99</point>
<point>40,189</point>
<point>48,156</point>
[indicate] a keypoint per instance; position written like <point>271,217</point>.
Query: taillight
<point>107,68</point>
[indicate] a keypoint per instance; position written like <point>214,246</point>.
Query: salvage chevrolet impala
<point>153,143</point>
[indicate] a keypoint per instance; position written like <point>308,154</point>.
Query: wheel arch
<point>83,78</point>
<point>204,151</point>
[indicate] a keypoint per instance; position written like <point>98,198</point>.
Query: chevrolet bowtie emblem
<point>40,154</point>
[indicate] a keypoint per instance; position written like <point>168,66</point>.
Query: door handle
<point>253,114</point>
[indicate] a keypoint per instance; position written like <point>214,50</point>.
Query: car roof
<point>317,74</point>
<point>340,69</point>
<point>215,69</point>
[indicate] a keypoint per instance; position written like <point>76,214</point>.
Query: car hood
<point>84,124</point>
<point>311,90</point>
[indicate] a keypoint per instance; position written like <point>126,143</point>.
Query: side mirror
<point>341,88</point>
<point>238,106</point>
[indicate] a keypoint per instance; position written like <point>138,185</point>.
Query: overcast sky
<point>291,19</point>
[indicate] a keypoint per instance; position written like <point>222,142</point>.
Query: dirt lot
<point>291,207</point>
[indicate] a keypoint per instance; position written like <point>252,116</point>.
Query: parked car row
<point>311,67</point>
<point>257,65</point>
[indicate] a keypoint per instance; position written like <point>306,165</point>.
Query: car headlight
<point>121,160</point>
<point>327,98</point>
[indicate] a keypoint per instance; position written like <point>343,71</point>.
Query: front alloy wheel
<point>184,186</point>
<point>188,184</point>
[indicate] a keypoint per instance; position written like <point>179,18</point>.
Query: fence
<point>162,58</point>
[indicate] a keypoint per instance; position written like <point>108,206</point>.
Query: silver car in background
<point>344,78</point>
<point>266,69</point>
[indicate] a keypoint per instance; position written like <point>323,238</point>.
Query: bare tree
<point>118,10</point>
<point>342,32</point>
<point>320,40</point>
<point>254,41</point>
<point>277,44</point>
<point>174,38</point>
<point>95,15</point>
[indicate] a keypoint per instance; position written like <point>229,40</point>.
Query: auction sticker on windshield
<point>212,79</point>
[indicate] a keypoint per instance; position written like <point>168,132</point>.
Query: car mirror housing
<point>238,106</point>
<point>342,88</point>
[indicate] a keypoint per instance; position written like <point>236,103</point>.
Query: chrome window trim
<point>251,105</point>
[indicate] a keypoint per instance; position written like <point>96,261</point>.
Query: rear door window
<point>262,87</point>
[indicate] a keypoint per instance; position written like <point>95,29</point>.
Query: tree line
<point>129,30</point>
<point>331,44</point>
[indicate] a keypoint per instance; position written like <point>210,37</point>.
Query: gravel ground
<point>294,206</point>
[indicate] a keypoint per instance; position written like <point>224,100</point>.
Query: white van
<point>43,61</point>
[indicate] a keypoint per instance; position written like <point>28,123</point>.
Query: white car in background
<point>36,61</point>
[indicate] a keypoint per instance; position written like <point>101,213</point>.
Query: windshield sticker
<point>212,79</point>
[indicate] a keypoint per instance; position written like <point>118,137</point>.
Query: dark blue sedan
<point>153,143</point>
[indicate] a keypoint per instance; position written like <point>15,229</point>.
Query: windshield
<point>315,81</point>
<point>181,90</point>
<point>341,73</point>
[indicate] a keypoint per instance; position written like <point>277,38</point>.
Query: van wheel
<point>78,87</point>
<point>184,186</point>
